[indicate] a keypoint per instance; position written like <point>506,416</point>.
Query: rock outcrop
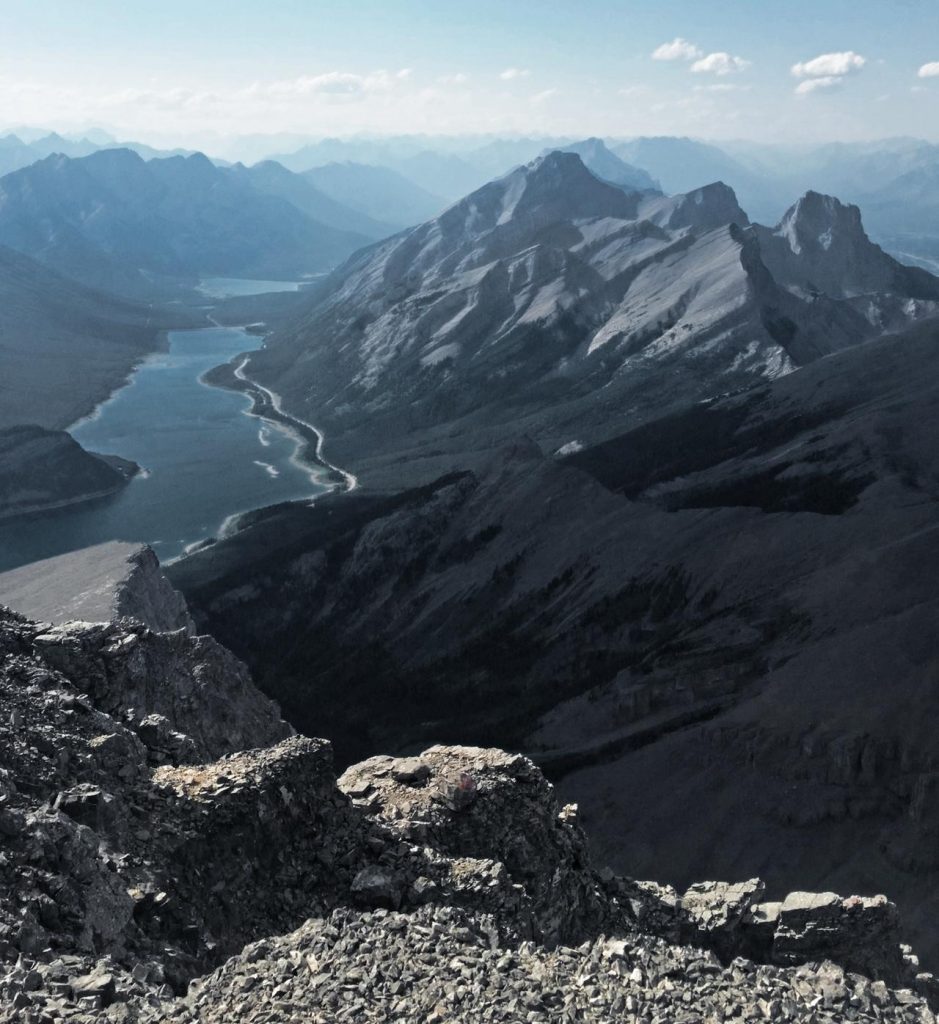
<point>166,859</point>
<point>103,583</point>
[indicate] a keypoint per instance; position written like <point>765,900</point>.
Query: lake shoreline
<point>263,405</point>
<point>161,346</point>
<point>210,453</point>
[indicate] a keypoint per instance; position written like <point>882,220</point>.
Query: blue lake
<point>204,457</point>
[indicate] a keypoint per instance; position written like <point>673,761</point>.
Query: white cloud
<point>930,70</point>
<point>677,49</point>
<point>543,97</point>
<point>827,83</point>
<point>830,65</point>
<point>720,64</point>
<point>457,79</point>
<point>336,83</point>
<point>827,72</point>
<point>510,74</point>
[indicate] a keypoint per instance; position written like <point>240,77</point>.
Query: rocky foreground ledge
<point>170,851</point>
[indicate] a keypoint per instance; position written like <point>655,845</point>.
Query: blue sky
<point>197,71</point>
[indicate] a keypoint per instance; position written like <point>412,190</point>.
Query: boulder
<point>860,933</point>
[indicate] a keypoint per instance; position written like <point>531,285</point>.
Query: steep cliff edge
<point>98,584</point>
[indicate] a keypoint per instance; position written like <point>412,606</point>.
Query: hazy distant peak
<point>118,156</point>
<point>604,163</point>
<point>708,207</point>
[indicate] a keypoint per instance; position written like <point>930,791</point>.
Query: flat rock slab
<point>96,584</point>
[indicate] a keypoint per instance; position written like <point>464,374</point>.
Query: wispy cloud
<point>459,78</point>
<point>930,70</point>
<point>677,49</point>
<point>827,83</point>
<point>720,64</point>
<point>827,72</point>
<point>544,96</point>
<point>510,74</point>
<point>337,83</point>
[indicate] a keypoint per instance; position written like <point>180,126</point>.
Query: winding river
<point>205,457</point>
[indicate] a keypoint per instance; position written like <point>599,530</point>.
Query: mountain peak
<point>820,247</point>
<point>819,222</point>
<point>560,185</point>
<point>711,206</point>
<point>119,156</point>
<point>605,164</point>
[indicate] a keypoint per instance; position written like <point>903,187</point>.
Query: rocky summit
<point>569,306</point>
<point>171,851</point>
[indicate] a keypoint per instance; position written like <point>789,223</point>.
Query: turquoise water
<point>204,459</point>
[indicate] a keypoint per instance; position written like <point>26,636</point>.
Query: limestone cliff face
<point>97,584</point>
<point>145,845</point>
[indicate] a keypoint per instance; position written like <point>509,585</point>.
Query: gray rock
<point>98,985</point>
<point>377,888</point>
<point>410,769</point>
<point>98,584</point>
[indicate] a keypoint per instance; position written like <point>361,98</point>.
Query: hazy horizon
<point>201,76</point>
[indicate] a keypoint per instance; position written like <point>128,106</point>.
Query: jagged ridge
<point>449,886</point>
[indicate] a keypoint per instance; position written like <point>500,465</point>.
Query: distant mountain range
<point>378,192</point>
<point>321,205</point>
<point>115,221</point>
<point>552,303</point>
<point>16,152</point>
<point>895,182</point>
<point>891,180</point>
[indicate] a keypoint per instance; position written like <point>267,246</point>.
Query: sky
<point>198,72</point>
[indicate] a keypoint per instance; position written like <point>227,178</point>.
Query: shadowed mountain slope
<point>64,347</point>
<point>717,624</point>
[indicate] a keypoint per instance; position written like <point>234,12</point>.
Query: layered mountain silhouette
<point>65,347</point>
<point>377,192</point>
<point>118,222</point>
<point>553,303</point>
<point>607,166</point>
<point>303,192</point>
